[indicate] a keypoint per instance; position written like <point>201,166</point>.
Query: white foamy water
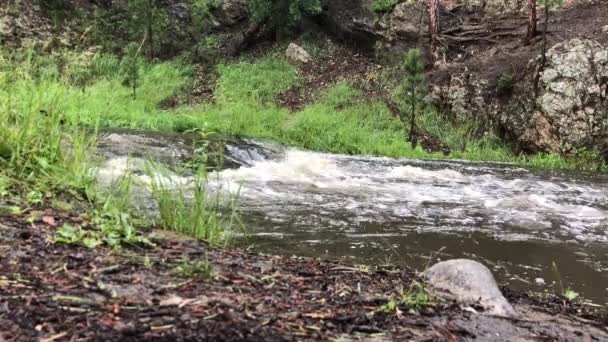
<point>323,192</point>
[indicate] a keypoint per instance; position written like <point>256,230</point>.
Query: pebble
<point>540,281</point>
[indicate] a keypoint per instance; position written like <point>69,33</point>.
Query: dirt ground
<point>54,292</point>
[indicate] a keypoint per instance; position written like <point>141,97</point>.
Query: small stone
<point>297,55</point>
<point>539,281</point>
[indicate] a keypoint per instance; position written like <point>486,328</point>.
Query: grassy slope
<point>244,106</point>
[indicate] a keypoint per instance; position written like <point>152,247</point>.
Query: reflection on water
<point>380,209</point>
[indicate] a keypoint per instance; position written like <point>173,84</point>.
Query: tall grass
<point>191,209</point>
<point>43,150</point>
<point>50,110</point>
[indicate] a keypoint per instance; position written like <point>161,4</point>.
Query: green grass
<point>192,212</point>
<point>383,6</point>
<point>47,111</point>
<point>46,101</point>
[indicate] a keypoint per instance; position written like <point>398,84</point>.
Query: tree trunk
<point>531,21</point>
<point>543,56</point>
<point>413,140</point>
<point>149,19</point>
<point>434,22</point>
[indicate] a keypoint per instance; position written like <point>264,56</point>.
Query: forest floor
<point>185,290</point>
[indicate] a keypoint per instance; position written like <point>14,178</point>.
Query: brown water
<point>380,210</point>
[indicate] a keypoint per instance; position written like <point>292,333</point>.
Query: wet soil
<point>55,292</point>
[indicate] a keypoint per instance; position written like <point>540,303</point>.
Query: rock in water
<point>469,282</point>
<point>297,55</point>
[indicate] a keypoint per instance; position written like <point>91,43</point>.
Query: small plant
<point>133,61</point>
<point>570,294</point>
<point>197,268</point>
<point>384,6</point>
<point>567,293</point>
<point>111,224</point>
<point>71,235</point>
<point>390,307</point>
<point>505,84</point>
<point>414,300</point>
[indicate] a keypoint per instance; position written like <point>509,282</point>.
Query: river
<point>371,210</point>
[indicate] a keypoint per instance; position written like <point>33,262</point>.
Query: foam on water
<point>419,196</point>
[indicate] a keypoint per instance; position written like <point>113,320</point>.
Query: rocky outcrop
<point>568,113</point>
<point>468,283</point>
<point>571,110</point>
<point>231,12</point>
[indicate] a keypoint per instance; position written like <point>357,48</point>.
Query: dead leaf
<point>173,300</point>
<point>50,220</point>
<point>321,315</point>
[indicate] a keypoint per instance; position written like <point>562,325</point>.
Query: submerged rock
<point>469,282</point>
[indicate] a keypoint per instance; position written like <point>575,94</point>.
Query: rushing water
<point>377,210</point>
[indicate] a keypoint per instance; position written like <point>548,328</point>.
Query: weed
<point>413,300</point>
<point>505,84</point>
<point>570,294</point>
<point>196,268</point>
<point>567,293</point>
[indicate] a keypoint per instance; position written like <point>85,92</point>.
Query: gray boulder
<point>469,283</point>
<point>571,111</point>
<point>297,55</point>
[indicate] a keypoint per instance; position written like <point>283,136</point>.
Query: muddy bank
<point>56,292</point>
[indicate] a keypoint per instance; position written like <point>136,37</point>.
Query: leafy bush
<point>384,6</point>
<point>283,14</point>
<point>505,84</point>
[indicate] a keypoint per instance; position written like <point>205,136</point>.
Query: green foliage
<point>567,293</point>
<point>357,128</point>
<point>197,268</point>
<point>383,6</point>
<point>283,14</point>
<point>192,213</point>
<point>259,81</point>
<point>505,84</point>
<point>570,294</point>
<point>111,223</point>
<point>143,21</point>
<point>201,12</point>
<point>414,300</point>
<point>410,94</point>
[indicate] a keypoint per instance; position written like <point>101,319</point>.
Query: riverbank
<point>184,289</point>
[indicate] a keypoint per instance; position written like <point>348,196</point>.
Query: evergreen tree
<point>412,91</point>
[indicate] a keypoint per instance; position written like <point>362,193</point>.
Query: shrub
<point>384,6</point>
